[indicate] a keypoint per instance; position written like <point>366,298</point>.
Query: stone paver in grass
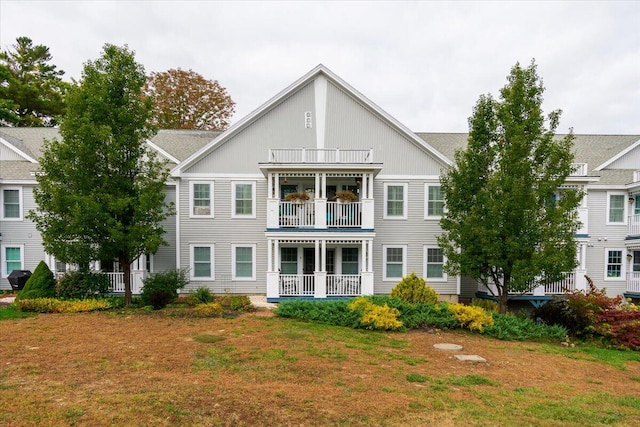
<point>470,358</point>
<point>448,347</point>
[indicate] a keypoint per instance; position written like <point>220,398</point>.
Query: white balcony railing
<point>634,225</point>
<point>633,282</point>
<point>297,285</point>
<point>636,176</point>
<point>583,217</point>
<point>319,155</point>
<point>116,282</point>
<point>579,169</point>
<point>297,215</point>
<point>344,215</point>
<point>567,284</point>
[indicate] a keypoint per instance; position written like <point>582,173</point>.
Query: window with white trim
<point>350,263</point>
<point>12,258</point>
<point>395,262</point>
<point>434,201</point>
<point>202,257</point>
<point>614,264</point>
<point>244,262</point>
<point>434,261</point>
<point>201,199</point>
<point>288,260</point>
<point>243,199</point>
<point>12,203</point>
<point>616,208</point>
<point>395,201</point>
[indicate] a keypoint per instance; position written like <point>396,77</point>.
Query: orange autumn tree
<point>186,100</point>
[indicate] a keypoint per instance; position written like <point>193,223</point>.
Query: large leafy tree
<point>31,89</point>
<point>509,221</point>
<point>101,192</point>
<point>186,100</point>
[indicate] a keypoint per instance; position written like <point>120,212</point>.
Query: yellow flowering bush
<point>376,316</point>
<point>209,309</point>
<point>470,317</point>
<point>53,305</point>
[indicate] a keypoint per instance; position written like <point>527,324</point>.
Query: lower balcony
<point>318,285</point>
<point>633,283</point>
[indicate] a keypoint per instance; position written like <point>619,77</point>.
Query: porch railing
<point>636,176</point>
<point>319,155</point>
<point>579,169</point>
<point>116,282</point>
<point>344,285</point>
<point>297,215</point>
<point>567,284</point>
<point>297,285</point>
<point>344,215</point>
<point>634,225</point>
<point>633,281</point>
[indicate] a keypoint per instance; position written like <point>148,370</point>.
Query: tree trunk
<point>126,268</point>
<point>503,299</point>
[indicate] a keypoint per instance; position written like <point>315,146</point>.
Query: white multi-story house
<point>237,231</point>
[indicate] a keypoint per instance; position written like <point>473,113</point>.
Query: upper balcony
<point>320,155</point>
<point>579,169</point>
<point>634,226</point>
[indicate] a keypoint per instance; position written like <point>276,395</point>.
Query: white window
<point>395,201</point>
<point>243,195</point>
<point>614,264</point>
<point>434,201</point>
<point>202,262</point>
<point>395,262</point>
<point>434,261</point>
<point>201,199</point>
<point>244,262</point>
<point>11,199</point>
<point>289,260</point>
<point>616,203</point>
<point>12,258</point>
<point>350,263</point>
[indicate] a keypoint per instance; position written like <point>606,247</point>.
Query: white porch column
<point>367,271</point>
<point>273,275</point>
<point>320,273</point>
<point>270,255</point>
<point>273,213</point>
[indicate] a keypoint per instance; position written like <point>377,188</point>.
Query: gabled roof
<point>294,87</point>
<point>621,153</point>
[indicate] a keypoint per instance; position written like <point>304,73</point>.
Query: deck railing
<point>319,155</point>
<point>567,284</point>
<point>344,285</point>
<point>297,215</point>
<point>116,282</point>
<point>297,285</point>
<point>344,215</point>
<point>579,169</point>
<point>634,225</point>
<point>636,176</point>
<point>633,281</point>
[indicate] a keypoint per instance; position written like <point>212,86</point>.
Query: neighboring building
<point>237,231</point>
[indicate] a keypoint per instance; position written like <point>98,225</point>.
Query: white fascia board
<point>612,187</point>
<point>18,152</point>
<point>223,175</point>
<point>408,177</point>
<point>312,235</point>
<point>162,152</point>
<point>19,181</point>
<point>618,156</point>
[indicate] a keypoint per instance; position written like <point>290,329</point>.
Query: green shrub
<point>472,318</point>
<point>329,312</point>
<point>80,285</point>
<point>487,304</point>
<point>373,316</point>
<point>200,296</point>
<point>162,288</point>
<point>415,316</point>
<point>209,309</point>
<point>509,327</point>
<point>41,284</point>
<point>235,302</point>
<point>53,305</point>
<point>414,289</point>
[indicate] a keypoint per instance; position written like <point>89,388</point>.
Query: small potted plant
<point>297,198</point>
<point>345,196</point>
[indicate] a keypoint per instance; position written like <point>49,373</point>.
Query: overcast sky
<point>425,63</point>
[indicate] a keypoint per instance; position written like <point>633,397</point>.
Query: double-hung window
<point>395,262</point>
<point>434,201</point>
<point>350,261</point>
<point>614,264</point>
<point>202,257</point>
<point>244,266</point>
<point>201,199</point>
<point>12,259</point>
<point>434,264</point>
<point>12,204</point>
<point>395,200</point>
<point>616,208</point>
<point>243,195</point>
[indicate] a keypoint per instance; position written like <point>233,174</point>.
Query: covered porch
<point>319,267</point>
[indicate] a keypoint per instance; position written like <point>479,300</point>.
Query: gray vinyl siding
<point>23,233</point>
<point>352,126</point>
<point>165,258</point>
<point>280,127</point>
<point>604,237</point>
<point>224,231</point>
<point>631,160</point>
<point>7,154</point>
<point>415,232</point>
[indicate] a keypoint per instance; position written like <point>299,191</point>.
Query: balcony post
<point>580,280</point>
<point>272,284</point>
<point>273,213</point>
<point>321,213</point>
<point>320,289</point>
<point>367,282</point>
<point>367,214</point>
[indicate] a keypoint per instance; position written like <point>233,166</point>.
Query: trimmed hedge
<point>41,284</point>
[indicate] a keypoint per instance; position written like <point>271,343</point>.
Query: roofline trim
<point>319,69</point>
<point>163,152</point>
<point>618,156</point>
<point>17,151</point>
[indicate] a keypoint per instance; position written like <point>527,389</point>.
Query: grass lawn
<point>150,369</point>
